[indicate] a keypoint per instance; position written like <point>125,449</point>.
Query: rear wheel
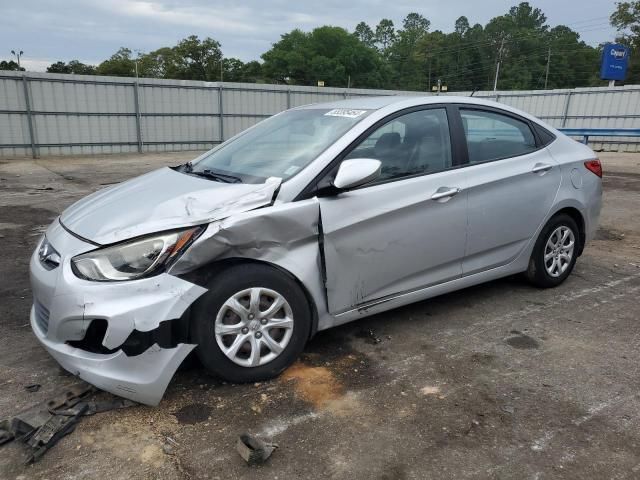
<point>252,323</point>
<point>555,252</point>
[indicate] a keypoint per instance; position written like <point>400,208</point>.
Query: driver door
<point>407,229</point>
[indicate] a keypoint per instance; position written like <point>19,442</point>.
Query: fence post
<point>288,98</point>
<point>497,97</point>
<point>221,113</point>
<point>27,102</point>
<point>566,109</point>
<point>136,98</point>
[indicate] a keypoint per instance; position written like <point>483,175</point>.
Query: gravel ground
<point>496,381</point>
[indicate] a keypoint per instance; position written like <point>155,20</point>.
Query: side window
<point>491,136</point>
<point>414,143</point>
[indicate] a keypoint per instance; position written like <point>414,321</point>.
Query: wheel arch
<point>207,272</point>
<point>577,217</point>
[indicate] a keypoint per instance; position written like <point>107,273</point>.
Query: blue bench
<point>585,133</point>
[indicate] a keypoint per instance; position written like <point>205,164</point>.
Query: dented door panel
<point>391,238</point>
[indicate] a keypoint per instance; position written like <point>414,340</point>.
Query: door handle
<point>541,167</point>
<point>444,192</point>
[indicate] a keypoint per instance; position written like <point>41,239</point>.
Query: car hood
<point>161,200</point>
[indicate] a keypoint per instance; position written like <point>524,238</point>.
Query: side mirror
<point>356,171</point>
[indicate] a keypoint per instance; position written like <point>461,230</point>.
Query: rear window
<point>491,136</point>
<point>545,136</point>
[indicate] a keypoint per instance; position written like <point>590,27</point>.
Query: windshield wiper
<point>220,177</point>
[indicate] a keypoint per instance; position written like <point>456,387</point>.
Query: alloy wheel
<point>558,251</point>
<point>254,326</point>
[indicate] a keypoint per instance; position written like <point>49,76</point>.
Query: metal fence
<point>52,114</point>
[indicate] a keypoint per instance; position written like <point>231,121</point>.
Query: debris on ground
<point>43,425</point>
<point>370,336</point>
<point>34,387</point>
<point>253,450</point>
<point>474,424</point>
<point>508,409</point>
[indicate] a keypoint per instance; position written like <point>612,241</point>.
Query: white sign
<point>345,112</point>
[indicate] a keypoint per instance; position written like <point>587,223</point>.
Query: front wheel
<point>252,323</point>
<point>555,252</point>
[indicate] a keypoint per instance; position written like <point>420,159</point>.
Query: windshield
<point>280,146</point>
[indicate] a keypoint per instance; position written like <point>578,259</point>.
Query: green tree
<point>465,59</point>
<point>462,26</point>
<point>329,54</point>
<point>626,19</point>
<point>252,72</point>
<point>74,66</point>
<point>161,63</point>
<point>198,59</point>
<point>233,70</point>
<point>120,64</point>
<point>411,58</point>
<point>385,34</point>
<point>518,40</point>
<point>365,34</point>
<point>10,65</point>
<point>572,62</point>
<point>404,57</point>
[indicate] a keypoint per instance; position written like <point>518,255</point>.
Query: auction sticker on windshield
<point>345,112</point>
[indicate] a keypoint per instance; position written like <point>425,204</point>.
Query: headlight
<point>133,259</point>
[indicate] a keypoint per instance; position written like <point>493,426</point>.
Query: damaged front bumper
<point>114,335</point>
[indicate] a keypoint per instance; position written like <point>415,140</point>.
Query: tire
<point>216,311</point>
<point>538,272</point>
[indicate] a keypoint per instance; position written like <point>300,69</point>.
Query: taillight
<point>594,166</point>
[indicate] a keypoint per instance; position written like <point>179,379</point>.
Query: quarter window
<point>414,143</point>
<point>491,136</point>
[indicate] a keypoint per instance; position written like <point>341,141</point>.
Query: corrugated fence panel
<point>11,94</point>
<point>81,97</point>
<point>172,100</point>
<point>183,129</point>
<point>14,129</point>
<point>235,125</point>
<point>248,102</point>
<point>77,114</point>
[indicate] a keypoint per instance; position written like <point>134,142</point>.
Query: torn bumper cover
<point>142,378</point>
<point>65,308</point>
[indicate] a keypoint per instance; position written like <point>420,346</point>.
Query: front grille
<point>42,316</point>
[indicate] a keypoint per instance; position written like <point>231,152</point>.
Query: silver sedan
<point>312,218</point>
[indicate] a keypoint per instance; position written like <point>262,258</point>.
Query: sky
<point>91,31</point>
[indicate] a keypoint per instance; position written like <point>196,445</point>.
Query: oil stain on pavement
<point>522,341</point>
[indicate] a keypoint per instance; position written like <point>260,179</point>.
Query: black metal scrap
<point>254,450</point>
<point>43,425</point>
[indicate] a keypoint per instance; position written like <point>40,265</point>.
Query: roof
<point>398,102</point>
<point>376,103</point>
<point>362,102</point>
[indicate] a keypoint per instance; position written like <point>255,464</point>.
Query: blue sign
<point>615,60</point>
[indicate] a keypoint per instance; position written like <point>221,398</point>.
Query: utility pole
<point>495,80</point>
<point>221,69</point>
<point>429,88</point>
<point>17,55</point>
<point>135,60</point>
<point>546,75</point>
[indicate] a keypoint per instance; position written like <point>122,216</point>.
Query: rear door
<point>512,184</point>
<point>407,229</point>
